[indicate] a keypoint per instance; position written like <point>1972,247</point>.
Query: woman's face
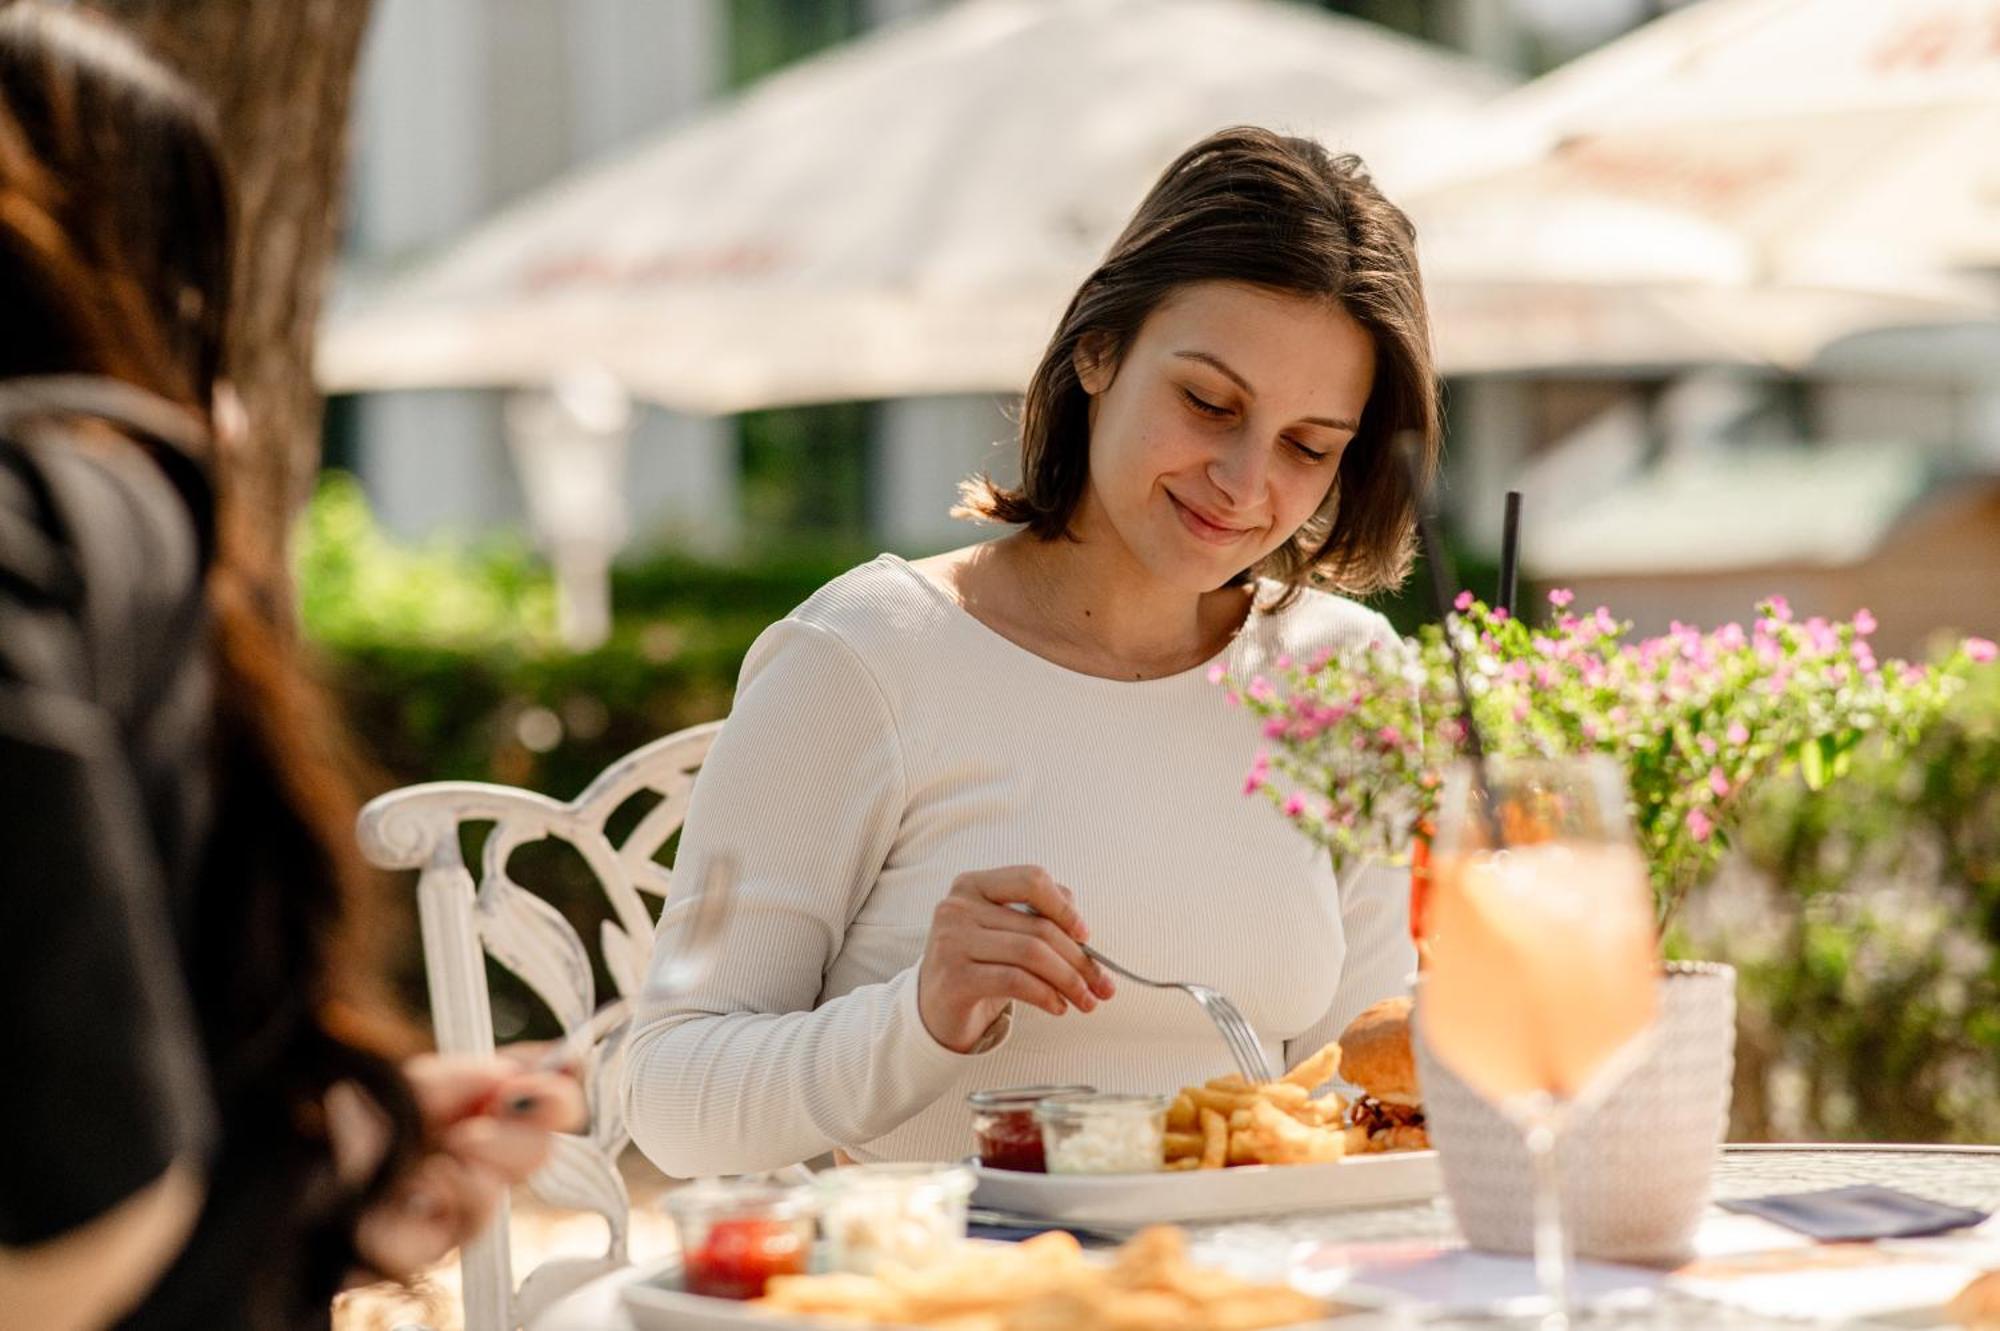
<point>1220,431</point>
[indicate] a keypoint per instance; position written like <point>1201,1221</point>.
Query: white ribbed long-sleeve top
<point>882,742</point>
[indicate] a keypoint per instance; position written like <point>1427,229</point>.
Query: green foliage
<point>446,663</point>
<point>1864,920</point>
<point>358,587</point>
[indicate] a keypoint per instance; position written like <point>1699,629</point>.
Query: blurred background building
<point>1876,447</point>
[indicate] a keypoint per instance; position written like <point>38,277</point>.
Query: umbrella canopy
<point>905,215</point>
<point>1742,180</point>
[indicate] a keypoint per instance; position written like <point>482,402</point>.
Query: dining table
<point>1961,1175</point>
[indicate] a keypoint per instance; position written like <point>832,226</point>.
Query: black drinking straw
<point>1443,575</point>
<point>1510,553</point>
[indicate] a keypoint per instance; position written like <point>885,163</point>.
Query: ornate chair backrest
<point>463,922</point>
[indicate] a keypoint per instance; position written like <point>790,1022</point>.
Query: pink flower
<point>1738,733</point>
<point>1216,674</point>
<point>1863,621</point>
<point>1718,783</point>
<point>1295,804</point>
<point>1500,613</point>
<point>1464,601</point>
<point>1260,690</point>
<point>1274,728</point>
<point>1981,650</point>
<point>1781,609</point>
<point>1699,825</point>
<point>1390,736</point>
<point>1283,662</point>
<point>1706,743</point>
<point>1561,598</point>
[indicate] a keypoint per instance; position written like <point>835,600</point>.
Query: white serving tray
<point>656,1302</point>
<point>1195,1195</point>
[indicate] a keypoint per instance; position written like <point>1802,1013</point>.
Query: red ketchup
<point>1003,1123</point>
<point>736,1236</point>
<point>737,1258</point>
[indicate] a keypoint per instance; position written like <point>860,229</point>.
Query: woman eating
<point>1035,721</point>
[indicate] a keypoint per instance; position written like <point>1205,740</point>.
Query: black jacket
<point>119,1029</point>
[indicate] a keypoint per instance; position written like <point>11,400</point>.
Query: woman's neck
<point>1077,604</point>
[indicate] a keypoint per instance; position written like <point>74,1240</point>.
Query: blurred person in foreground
<point>210,1121</point>
<point>1208,469</point>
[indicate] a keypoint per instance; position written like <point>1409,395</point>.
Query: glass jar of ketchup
<point>736,1236</point>
<point>1003,1123</point>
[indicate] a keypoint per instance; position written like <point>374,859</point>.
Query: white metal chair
<point>418,827</point>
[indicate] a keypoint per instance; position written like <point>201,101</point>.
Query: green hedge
<point>1865,922</point>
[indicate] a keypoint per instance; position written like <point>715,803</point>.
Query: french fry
<point>1182,1116</point>
<point>1286,1095</point>
<point>1148,1285</point>
<point>1183,1143</point>
<point>1315,1071</point>
<point>1327,1111</point>
<point>1234,1081</point>
<point>1222,1102</point>
<point>1184,1162</point>
<point>1280,1139</point>
<point>1214,1140</point>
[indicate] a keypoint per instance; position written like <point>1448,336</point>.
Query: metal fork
<point>693,954</point>
<point>1236,1030</point>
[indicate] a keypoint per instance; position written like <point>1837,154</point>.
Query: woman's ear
<point>1095,362</point>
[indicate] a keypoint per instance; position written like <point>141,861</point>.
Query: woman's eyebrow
<point>1215,363</point>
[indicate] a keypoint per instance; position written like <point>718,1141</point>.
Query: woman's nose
<point>1238,471</point>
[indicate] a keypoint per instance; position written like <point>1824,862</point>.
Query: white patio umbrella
<point>904,215</point>
<point>1742,180</point>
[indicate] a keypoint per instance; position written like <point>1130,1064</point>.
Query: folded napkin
<point>1860,1213</point>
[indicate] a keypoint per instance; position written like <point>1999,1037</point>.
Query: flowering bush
<point>1359,740</point>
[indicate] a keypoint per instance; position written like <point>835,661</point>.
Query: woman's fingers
<point>1031,885</point>
<point>1006,919</point>
<point>443,1202</point>
<point>451,1087</point>
<point>546,1101</point>
<point>1011,982</point>
<point>1030,953</point>
<point>506,1149</point>
<point>1003,935</point>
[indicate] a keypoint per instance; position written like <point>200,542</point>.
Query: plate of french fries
<point>1235,1149</point>
<point>1047,1283</point>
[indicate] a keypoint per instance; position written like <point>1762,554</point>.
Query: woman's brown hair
<point>1250,206</point>
<point>116,232</point>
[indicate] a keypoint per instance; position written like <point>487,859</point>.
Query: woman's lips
<point>1206,528</point>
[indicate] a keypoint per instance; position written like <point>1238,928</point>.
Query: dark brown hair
<point>116,227</point>
<point>1247,205</point>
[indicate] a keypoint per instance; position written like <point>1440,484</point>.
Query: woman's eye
<point>1309,453</point>
<point>1203,406</point>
